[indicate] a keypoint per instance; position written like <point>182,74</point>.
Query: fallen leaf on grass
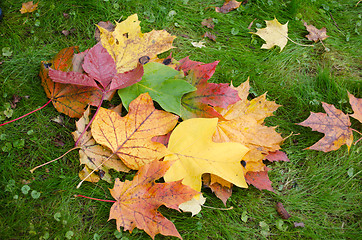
<point>194,205</point>
<point>260,180</point>
<point>127,44</point>
<point>195,153</point>
<point>277,156</point>
<point>198,44</point>
<point>28,7</point>
<point>67,98</point>
<point>209,23</point>
<point>14,101</point>
<point>245,124</point>
<point>282,212</point>
<point>315,34</point>
<point>334,124</point>
<point>210,36</point>
<point>200,103</point>
<point>275,34</point>
<point>95,156</point>
<point>106,25</point>
<point>223,192</point>
<point>130,137</point>
<point>100,69</point>
<point>137,201</point>
<point>299,224</point>
<point>228,6</point>
<point>356,104</point>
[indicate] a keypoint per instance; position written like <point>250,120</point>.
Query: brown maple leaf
<point>137,201</point>
<point>228,6</point>
<point>210,36</point>
<point>334,124</point>
<point>209,22</point>
<point>315,34</point>
<point>356,104</point>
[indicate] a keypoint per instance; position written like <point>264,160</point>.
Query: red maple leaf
<point>200,103</point>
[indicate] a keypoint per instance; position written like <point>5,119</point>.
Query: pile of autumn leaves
<point>206,133</point>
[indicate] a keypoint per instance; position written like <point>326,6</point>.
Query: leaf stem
<point>97,199</point>
<point>303,45</point>
<point>90,122</point>
<point>26,114</point>
<point>356,131</point>
<point>81,182</point>
<point>32,170</point>
<point>224,209</point>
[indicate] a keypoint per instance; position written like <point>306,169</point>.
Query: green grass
<point>319,189</point>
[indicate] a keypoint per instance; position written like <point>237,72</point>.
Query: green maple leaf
<point>163,85</point>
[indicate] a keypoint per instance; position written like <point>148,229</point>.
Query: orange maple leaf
<point>67,98</point>
<point>245,124</point>
<point>130,137</point>
<point>334,124</point>
<point>28,7</point>
<point>137,201</point>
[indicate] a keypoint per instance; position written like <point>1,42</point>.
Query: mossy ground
<point>322,190</point>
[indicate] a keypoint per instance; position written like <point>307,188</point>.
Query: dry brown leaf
<point>228,6</point>
<point>210,36</point>
<point>356,104</point>
<point>282,212</point>
<point>315,34</point>
<point>209,23</point>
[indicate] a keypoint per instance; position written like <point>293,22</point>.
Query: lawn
<point>320,190</point>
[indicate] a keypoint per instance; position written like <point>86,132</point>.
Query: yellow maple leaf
<point>127,44</point>
<point>275,34</point>
<point>130,137</point>
<point>245,125</point>
<point>195,153</point>
<point>28,7</point>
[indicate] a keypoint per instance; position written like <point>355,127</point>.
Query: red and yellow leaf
<point>200,103</point>
<point>137,201</point>
<point>67,98</point>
